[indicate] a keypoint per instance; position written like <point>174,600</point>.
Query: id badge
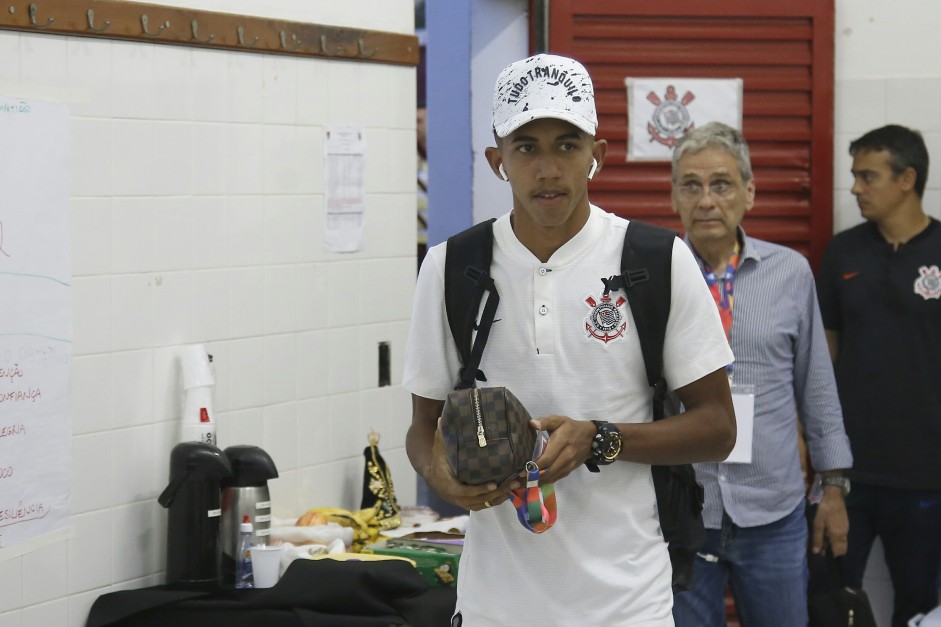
<point>743,401</point>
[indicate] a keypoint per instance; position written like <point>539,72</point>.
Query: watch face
<point>611,446</point>
<point>607,443</point>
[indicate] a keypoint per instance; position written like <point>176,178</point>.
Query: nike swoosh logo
<point>850,275</point>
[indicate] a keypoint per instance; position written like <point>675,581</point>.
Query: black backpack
<point>646,261</point>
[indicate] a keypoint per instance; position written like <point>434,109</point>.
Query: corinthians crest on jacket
<point>928,283</point>
<point>605,321</point>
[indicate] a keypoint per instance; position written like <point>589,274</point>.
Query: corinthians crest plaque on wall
<point>661,110</point>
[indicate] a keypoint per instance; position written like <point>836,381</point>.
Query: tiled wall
<point>863,104</point>
<point>197,217</point>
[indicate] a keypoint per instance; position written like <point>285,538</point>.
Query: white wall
<point>197,216</point>
<point>886,72</point>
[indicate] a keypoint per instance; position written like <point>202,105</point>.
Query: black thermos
<point>193,498</point>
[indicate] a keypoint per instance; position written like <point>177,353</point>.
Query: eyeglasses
<point>717,189</point>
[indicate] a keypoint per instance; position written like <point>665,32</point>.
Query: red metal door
<point>783,51</point>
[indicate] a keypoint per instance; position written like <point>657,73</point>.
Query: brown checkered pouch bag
<point>487,435</point>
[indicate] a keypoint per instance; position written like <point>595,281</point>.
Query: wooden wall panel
<point>155,23</point>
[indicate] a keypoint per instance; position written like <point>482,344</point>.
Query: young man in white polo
<point>604,562</point>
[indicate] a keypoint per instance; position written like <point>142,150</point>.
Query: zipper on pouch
<point>481,437</point>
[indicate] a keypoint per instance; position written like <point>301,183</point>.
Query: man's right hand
<point>425,447</point>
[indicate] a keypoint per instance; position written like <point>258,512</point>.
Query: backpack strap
<point>466,280</point>
<point>646,262</point>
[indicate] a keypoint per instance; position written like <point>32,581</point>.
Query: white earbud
<point>503,173</point>
<point>594,166</point>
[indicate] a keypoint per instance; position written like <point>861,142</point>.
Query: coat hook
<point>284,44</point>
<point>33,9</point>
<point>241,34</point>
<point>362,50</point>
<point>195,27</point>
<point>91,23</point>
<point>163,27</point>
<point>323,44</point>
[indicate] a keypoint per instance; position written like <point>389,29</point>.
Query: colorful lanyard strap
<point>722,289</point>
<point>535,504</point>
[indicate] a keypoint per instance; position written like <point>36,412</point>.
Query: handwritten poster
<point>35,321</point>
<point>345,182</point>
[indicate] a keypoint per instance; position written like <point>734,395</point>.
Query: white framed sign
<point>661,110</point>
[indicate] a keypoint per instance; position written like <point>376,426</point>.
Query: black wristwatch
<point>605,447</point>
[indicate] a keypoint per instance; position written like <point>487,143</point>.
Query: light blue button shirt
<point>781,350</point>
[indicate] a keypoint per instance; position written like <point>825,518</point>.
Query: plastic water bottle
<point>243,556</point>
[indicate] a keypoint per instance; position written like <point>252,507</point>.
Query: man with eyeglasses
<point>756,531</point>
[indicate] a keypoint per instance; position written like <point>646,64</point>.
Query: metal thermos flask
<point>245,493</point>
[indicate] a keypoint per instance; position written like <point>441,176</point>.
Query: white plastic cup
<point>194,432</point>
<point>197,369</point>
<point>197,411</point>
<point>266,565</point>
<point>198,419</point>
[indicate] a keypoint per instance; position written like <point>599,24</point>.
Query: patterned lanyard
<point>722,288</point>
<point>535,504</point>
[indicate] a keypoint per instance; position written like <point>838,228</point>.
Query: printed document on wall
<point>345,184</point>
<point>35,322</point>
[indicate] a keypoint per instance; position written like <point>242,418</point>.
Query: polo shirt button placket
<point>542,272</point>
<point>543,295</point>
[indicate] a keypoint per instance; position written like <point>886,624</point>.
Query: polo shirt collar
<point>878,236</point>
<point>571,250</point>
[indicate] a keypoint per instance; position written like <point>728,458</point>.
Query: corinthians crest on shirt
<point>928,282</point>
<point>605,321</point>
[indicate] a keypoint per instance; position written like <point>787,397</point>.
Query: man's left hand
<point>831,522</point>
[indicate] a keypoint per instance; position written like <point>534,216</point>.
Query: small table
<point>311,593</point>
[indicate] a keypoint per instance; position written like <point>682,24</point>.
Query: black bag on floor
<point>839,605</point>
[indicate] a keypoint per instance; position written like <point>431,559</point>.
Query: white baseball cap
<point>544,86</point>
